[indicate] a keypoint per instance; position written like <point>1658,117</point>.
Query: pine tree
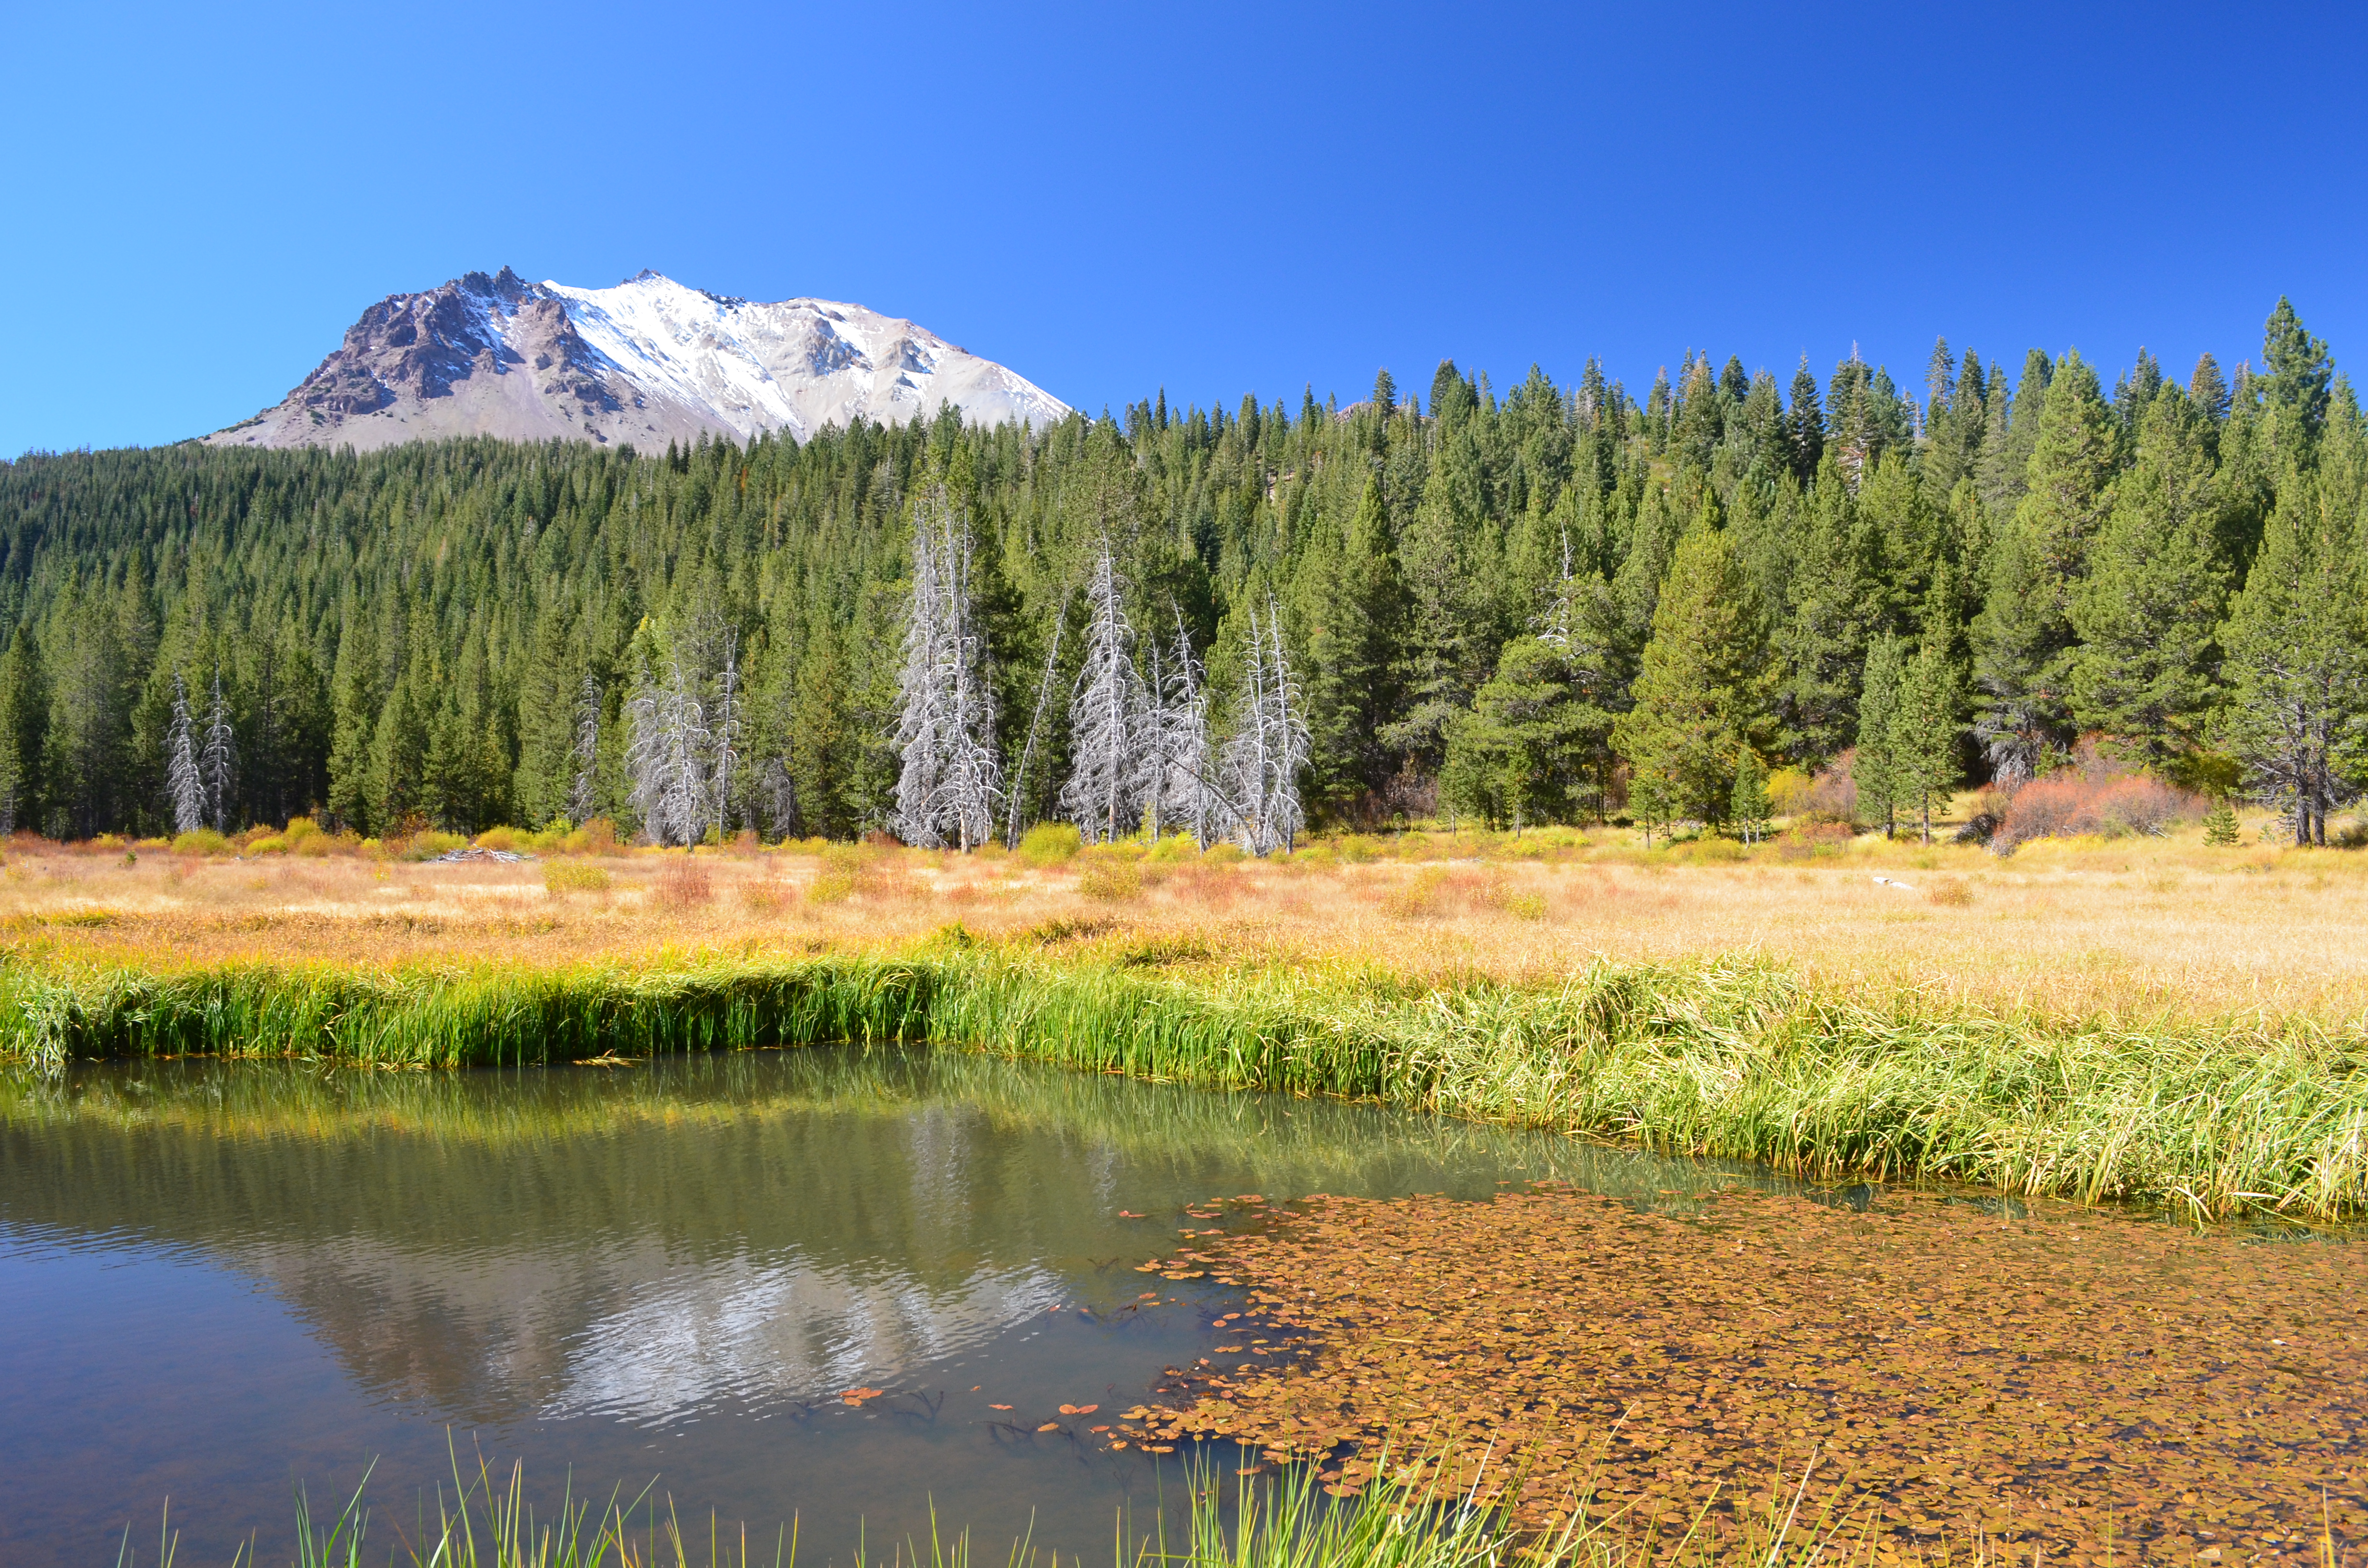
<point>1703,690</point>
<point>1348,604</point>
<point>24,723</point>
<point>2294,391</point>
<point>1836,611</point>
<point>1804,425</point>
<point>2148,617</point>
<point>2207,388</point>
<point>1875,769</point>
<point>2298,668</point>
<point>1923,739</point>
<point>2023,639</point>
<point>1522,753</point>
<point>2220,824</point>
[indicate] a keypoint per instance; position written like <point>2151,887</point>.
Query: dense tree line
<point>1551,603</point>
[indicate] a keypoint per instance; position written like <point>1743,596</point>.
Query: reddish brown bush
<point>1832,795</point>
<point>2065,804</point>
<point>682,883</point>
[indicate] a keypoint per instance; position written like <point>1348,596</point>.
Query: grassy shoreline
<point>1730,1057</point>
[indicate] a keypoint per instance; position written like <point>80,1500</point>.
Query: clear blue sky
<point>1210,199</point>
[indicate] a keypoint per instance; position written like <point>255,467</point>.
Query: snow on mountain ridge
<point>649,360</point>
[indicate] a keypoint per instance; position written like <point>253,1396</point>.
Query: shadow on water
<point>222,1275</point>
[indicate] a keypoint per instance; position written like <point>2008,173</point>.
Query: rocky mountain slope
<point>645,362</point>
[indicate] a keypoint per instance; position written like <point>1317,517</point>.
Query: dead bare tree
<point>184,785</point>
<point>1263,757</point>
<point>668,756</point>
<point>1176,783</point>
<point>585,756</point>
<point>1018,791</point>
<point>1109,718</point>
<point>218,759</point>
<point>950,779</point>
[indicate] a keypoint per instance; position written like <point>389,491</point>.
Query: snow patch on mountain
<point>645,361</point>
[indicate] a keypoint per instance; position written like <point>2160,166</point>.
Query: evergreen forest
<point>1552,603</point>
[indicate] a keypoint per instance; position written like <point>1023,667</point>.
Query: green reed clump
<point>1718,1057</point>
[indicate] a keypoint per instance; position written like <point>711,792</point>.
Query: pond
<point>219,1279</point>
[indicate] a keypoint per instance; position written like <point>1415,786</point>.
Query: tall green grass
<point>1719,1057</point>
<point>1281,1521</point>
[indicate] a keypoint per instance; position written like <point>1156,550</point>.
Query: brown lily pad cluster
<point>2072,1383</point>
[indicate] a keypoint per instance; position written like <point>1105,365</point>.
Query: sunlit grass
<point>2133,929</point>
<point>1714,1056</point>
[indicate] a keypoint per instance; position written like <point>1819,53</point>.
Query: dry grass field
<point>2128,928</point>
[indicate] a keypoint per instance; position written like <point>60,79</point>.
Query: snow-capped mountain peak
<point>646,361</point>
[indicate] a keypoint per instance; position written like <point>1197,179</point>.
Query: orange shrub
<point>2064,805</point>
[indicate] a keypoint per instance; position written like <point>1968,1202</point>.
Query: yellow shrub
<point>565,877</point>
<point>1111,881</point>
<point>271,844</point>
<point>498,839</point>
<point>299,829</point>
<point>200,841</point>
<point>1051,844</point>
<point>1224,853</point>
<point>843,868</point>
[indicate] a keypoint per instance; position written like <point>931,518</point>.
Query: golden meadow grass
<point>1434,984</point>
<point>2134,928</point>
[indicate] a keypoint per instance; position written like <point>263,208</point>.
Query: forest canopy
<point>1553,603</point>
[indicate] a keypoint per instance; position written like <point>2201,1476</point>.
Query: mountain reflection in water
<point>634,1272</point>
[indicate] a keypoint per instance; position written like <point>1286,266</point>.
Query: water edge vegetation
<point>1725,1056</point>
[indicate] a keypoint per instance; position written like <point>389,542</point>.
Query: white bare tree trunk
<point>951,778</point>
<point>585,752</point>
<point>667,757</point>
<point>184,786</point>
<point>218,760</point>
<point>727,729</point>
<point>1178,784</point>
<point>1108,719</point>
<point>1262,758</point>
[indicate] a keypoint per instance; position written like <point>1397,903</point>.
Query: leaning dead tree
<point>1111,720</point>
<point>949,780</point>
<point>1262,758</point>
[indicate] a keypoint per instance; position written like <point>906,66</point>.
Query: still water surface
<point>219,1278</point>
